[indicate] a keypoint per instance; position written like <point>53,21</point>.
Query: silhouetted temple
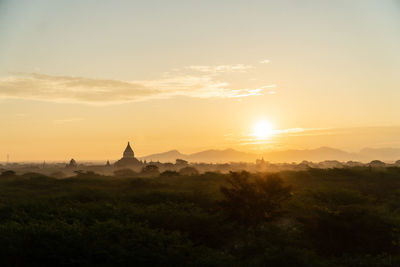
<point>128,158</point>
<point>72,164</point>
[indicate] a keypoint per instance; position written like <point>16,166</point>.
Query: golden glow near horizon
<point>263,129</point>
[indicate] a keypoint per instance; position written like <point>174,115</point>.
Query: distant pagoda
<point>128,158</point>
<point>128,153</point>
<point>72,164</point>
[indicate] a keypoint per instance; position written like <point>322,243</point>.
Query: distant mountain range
<point>315,155</point>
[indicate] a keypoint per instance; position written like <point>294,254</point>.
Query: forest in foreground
<point>315,217</point>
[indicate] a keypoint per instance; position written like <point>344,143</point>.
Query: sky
<point>81,78</point>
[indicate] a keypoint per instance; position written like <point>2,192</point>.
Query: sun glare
<point>263,129</point>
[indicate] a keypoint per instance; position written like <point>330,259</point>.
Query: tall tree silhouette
<point>251,202</point>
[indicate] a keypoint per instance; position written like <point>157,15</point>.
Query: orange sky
<point>81,78</point>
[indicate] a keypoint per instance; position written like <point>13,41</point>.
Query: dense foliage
<point>331,217</point>
<point>253,202</point>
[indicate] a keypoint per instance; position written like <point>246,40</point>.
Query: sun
<point>263,129</point>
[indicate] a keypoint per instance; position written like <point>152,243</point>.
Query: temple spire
<point>128,158</point>
<point>128,153</point>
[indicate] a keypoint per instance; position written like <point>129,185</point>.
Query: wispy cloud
<point>265,61</point>
<point>251,92</point>
<point>21,115</point>
<point>303,131</point>
<point>251,139</point>
<point>62,121</point>
<point>72,89</point>
<point>221,68</point>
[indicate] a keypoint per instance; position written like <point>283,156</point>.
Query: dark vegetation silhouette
<point>150,170</point>
<point>188,171</point>
<point>8,173</point>
<point>125,173</point>
<point>315,217</point>
<point>252,202</point>
<point>169,173</point>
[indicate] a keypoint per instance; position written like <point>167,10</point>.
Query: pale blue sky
<point>141,39</point>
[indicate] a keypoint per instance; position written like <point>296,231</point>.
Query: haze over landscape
<point>80,78</point>
<point>316,155</point>
<point>200,133</point>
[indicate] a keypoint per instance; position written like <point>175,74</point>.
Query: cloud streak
<point>221,68</point>
<point>62,121</point>
<point>251,139</point>
<point>265,61</point>
<point>70,89</point>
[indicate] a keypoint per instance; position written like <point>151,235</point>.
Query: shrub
<point>251,202</point>
<point>188,171</point>
<point>150,170</point>
<point>124,173</point>
<point>169,173</point>
<point>8,173</point>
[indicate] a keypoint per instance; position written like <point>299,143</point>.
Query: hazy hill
<point>319,154</point>
<point>226,155</point>
<point>212,155</point>
<point>385,154</point>
<point>316,155</point>
<point>231,155</point>
<point>169,156</point>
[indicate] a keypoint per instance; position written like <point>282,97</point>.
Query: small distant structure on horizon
<point>260,161</point>
<point>72,164</point>
<point>128,158</point>
<point>377,163</point>
<point>108,163</point>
